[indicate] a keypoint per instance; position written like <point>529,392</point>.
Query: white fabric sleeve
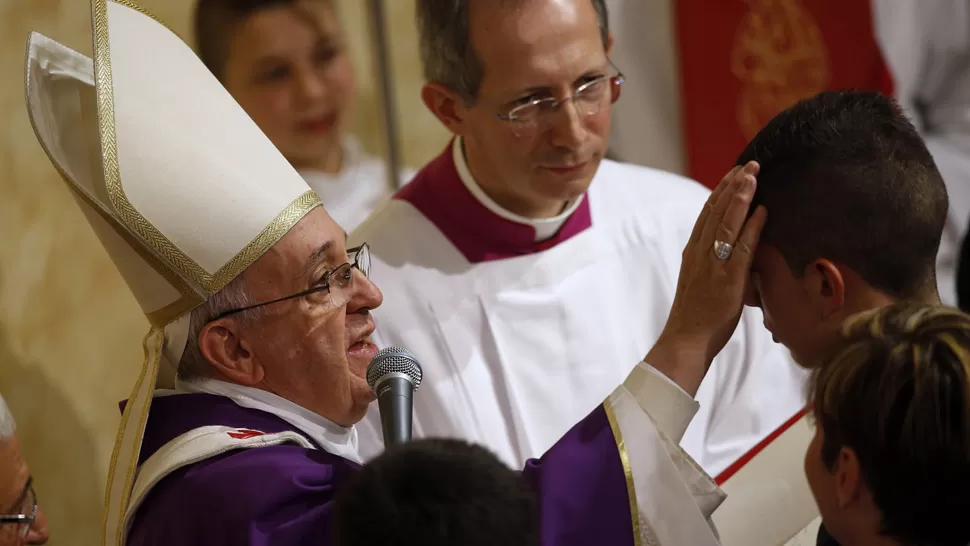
<point>673,496</point>
<point>666,403</point>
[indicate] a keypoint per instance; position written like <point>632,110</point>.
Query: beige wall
<point>70,332</point>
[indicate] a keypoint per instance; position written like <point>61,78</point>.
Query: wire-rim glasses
<point>337,283</point>
<point>26,503</point>
<point>589,99</point>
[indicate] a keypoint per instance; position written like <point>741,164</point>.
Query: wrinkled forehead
<point>535,42</point>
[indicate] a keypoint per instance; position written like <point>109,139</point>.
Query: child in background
<point>287,64</point>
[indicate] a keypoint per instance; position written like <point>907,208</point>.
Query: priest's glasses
<point>24,512</point>
<point>536,114</point>
<point>336,285</point>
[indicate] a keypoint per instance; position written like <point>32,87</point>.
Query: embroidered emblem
<point>243,434</point>
<point>779,56</point>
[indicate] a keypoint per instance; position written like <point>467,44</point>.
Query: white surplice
<point>926,44</point>
<point>515,351</point>
<point>358,189</point>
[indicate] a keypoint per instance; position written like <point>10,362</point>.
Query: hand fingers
<point>709,206</point>
<point>737,195</point>
<point>747,242</point>
<point>724,185</point>
<point>736,211</point>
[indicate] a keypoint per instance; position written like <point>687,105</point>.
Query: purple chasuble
<point>277,495</point>
<point>478,233</point>
<point>283,495</point>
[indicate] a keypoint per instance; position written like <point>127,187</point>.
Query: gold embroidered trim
<point>190,298</point>
<point>152,344</point>
<point>160,244</point>
<point>271,234</point>
<point>164,251</point>
<point>155,240</point>
<point>627,472</point>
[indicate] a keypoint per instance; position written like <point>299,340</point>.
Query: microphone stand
<point>382,65</point>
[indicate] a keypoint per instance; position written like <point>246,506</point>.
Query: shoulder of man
<point>651,187</point>
<point>278,494</point>
<point>660,206</point>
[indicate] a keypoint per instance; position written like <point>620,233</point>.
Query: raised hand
<point>711,286</point>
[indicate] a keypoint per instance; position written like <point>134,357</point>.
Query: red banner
<point>743,61</point>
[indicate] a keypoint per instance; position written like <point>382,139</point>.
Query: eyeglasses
<point>336,285</point>
<point>26,510</point>
<point>589,98</point>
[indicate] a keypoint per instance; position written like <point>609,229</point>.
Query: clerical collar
<point>336,439</point>
<point>445,193</point>
<point>544,227</point>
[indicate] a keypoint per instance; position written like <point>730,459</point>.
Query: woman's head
<point>891,454</point>
<point>286,63</point>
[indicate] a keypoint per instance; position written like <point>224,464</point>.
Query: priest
<point>528,272</point>
<point>240,426</point>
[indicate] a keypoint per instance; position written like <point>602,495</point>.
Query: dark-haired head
<point>436,492</point>
<point>856,208</point>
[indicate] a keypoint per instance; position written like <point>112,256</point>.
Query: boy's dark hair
<point>846,177</point>
<point>898,395</point>
<point>213,22</point>
<point>436,492</point>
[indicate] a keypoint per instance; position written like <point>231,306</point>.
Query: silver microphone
<point>394,374</point>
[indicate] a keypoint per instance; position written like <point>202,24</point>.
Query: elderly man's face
<point>535,50</point>
<point>17,497</point>
<point>305,349</point>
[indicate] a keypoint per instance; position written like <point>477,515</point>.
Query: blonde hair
<point>898,395</point>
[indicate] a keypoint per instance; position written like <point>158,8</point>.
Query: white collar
<point>334,438</point>
<point>544,227</point>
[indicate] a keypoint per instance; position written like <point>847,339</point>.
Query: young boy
<point>287,64</point>
<point>436,492</point>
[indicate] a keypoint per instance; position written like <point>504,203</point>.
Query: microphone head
<point>394,360</point>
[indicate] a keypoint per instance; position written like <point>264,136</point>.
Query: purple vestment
<point>283,495</point>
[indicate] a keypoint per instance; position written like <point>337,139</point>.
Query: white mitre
<point>181,187</point>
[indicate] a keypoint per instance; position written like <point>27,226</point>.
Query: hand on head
<point>713,278</point>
